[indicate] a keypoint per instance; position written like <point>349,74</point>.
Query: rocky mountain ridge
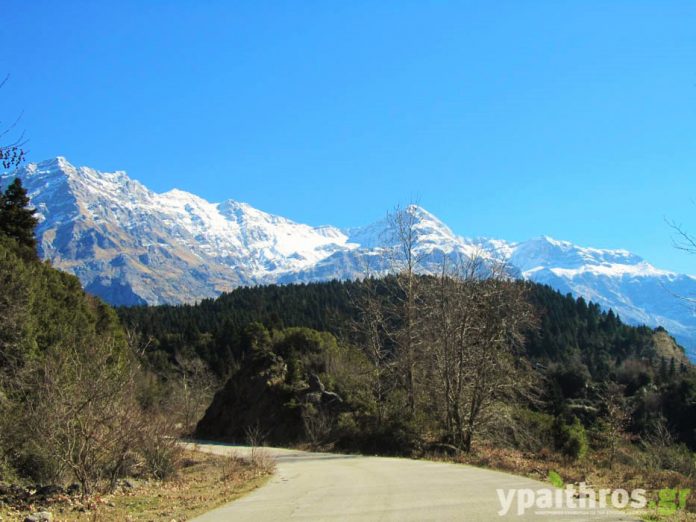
<point>131,245</point>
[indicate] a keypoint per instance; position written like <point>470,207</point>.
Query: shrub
<point>161,453</point>
<point>393,436</point>
<point>232,466</point>
<point>262,460</point>
<point>318,424</point>
<point>570,439</point>
<point>529,430</point>
<point>657,455</point>
<point>79,419</point>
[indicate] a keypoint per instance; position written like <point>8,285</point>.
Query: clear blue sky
<point>508,119</point>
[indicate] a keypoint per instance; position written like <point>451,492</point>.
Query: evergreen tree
<point>663,369</point>
<point>17,220</point>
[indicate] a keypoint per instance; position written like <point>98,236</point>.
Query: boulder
<point>275,386</point>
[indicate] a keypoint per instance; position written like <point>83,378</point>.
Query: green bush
<point>570,439</point>
<point>530,430</point>
<point>393,436</point>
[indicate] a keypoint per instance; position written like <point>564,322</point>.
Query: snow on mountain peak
<point>57,166</point>
<point>129,245</point>
<point>428,221</point>
<point>430,231</point>
<point>546,252</point>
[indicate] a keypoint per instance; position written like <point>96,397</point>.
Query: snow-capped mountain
<point>130,245</point>
<point>617,279</point>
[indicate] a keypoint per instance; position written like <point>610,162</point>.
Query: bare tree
<point>407,263</point>
<point>683,240</point>
<point>686,242</point>
<point>449,339</point>
<point>476,325</point>
<point>450,323</point>
<point>80,407</point>
<point>192,394</point>
<point>76,413</point>
<point>12,152</point>
<point>616,419</point>
<point>373,335</point>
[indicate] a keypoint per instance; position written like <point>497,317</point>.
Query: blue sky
<point>508,119</point>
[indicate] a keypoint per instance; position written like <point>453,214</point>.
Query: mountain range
<point>130,245</point>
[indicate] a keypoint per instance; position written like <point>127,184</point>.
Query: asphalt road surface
<point>326,486</point>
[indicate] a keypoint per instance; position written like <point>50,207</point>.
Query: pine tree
<point>663,369</point>
<point>17,220</point>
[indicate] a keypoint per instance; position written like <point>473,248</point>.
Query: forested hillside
<point>574,355</point>
<point>73,405</point>
<point>569,328</point>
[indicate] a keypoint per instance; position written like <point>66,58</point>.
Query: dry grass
<point>626,473</point>
<point>262,460</point>
<point>205,481</point>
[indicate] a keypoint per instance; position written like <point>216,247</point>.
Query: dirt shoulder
<point>204,482</point>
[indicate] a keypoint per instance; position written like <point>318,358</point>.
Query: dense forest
<point>570,329</point>
<point>584,365</point>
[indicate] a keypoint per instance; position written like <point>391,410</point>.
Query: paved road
<point>325,486</point>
